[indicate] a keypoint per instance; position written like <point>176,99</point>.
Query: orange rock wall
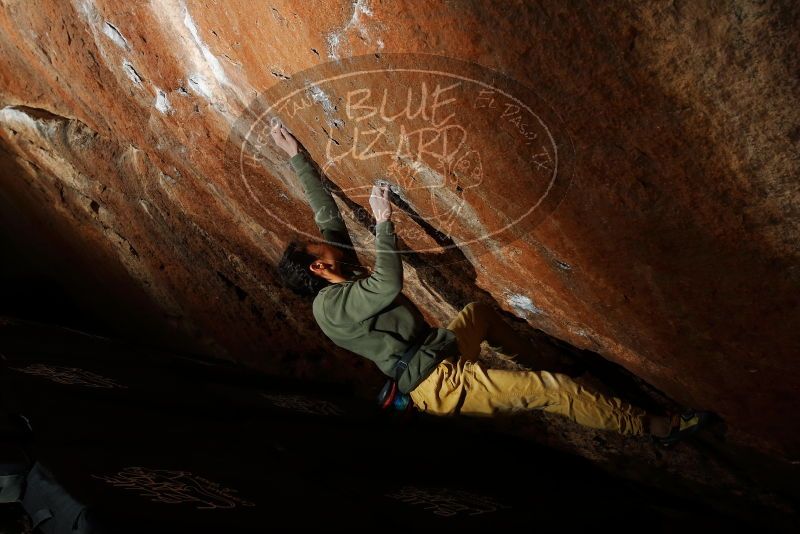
<point>672,252</point>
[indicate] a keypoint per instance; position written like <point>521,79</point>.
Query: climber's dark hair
<point>295,273</point>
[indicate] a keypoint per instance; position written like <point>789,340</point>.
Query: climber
<point>437,367</point>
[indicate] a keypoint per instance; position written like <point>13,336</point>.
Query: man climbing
<point>438,367</point>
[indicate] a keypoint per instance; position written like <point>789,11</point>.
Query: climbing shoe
<point>684,425</point>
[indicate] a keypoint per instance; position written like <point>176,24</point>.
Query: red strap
<point>390,397</point>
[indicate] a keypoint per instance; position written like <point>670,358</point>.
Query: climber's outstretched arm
<point>357,301</point>
<point>326,212</point>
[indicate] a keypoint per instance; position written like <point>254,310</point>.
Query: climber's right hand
<point>284,139</point>
<point>379,201</point>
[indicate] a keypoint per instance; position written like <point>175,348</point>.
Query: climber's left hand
<point>284,139</point>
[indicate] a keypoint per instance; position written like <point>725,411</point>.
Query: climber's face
<point>327,256</point>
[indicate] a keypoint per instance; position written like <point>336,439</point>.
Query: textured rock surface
<point>673,252</point>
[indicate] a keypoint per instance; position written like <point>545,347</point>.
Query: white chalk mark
<point>16,119</point>
<point>162,102</point>
<point>89,11</point>
<point>205,74</point>
<point>318,95</point>
<point>360,7</point>
<point>143,204</point>
<point>11,115</point>
<point>111,31</point>
<point>200,86</point>
<point>97,26</point>
<point>523,304</point>
<point>129,69</point>
<point>211,60</point>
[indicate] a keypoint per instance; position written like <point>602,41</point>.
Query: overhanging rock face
<point>622,177</point>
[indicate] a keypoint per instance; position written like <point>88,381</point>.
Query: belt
<point>402,364</point>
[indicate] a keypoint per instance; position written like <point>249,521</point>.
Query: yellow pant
<point>466,387</point>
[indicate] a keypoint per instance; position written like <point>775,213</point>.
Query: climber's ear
<point>318,268</point>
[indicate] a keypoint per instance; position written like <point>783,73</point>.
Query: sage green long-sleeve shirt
<point>370,316</point>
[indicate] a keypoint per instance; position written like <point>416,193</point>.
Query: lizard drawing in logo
<point>455,169</point>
